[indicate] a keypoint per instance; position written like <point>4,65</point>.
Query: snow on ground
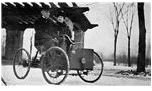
<point>121,71</point>
<point>35,78</point>
<point>109,65</point>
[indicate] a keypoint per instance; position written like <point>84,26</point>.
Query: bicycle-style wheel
<point>55,65</point>
<point>91,76</point>
<point>21,63</point>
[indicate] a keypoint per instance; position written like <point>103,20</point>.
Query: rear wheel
<point>91,76</point>
<point>55,65</point>
<point>21,63</point>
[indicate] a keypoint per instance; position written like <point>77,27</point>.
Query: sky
<point>101,38</point>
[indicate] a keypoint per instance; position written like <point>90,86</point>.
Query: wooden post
<point>14,40</point>
<point>79,37</point>
<point>3,41</point>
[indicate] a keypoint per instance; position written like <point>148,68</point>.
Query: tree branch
<point>125,21</point>
<point>131,23</point>
<point>132,17</point>
<point>121,9</point>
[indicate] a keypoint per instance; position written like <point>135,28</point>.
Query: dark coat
<point>45,30</point>
<point>64,29</point>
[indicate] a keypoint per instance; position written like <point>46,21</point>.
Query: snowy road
<point>35,78</point>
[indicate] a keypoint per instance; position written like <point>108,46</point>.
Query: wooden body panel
<point>75,59</point>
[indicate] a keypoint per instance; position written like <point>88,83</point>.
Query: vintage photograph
<point>76,43</point>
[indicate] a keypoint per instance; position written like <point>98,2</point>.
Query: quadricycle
<point>56,64</point>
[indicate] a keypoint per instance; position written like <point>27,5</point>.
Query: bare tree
<point>128,17</point>
<point>142,39</point>
<point>115,21</point>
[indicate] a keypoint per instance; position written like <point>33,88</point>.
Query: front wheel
<point>93,75</point>
<point>21,63</point>
<point>55,65</point>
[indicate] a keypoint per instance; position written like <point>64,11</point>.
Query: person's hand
<point>55,40</point>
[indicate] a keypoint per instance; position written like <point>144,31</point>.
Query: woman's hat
<point>60,13</point>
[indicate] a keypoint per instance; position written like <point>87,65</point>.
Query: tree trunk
<point>129,63</point>
<point>115,47</point>
<point>142,37</point>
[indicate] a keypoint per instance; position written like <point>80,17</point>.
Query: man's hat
<point>45,8</point>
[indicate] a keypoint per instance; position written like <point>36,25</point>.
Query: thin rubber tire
<point>43,66</point>
<point>15,61</point>
<point>99,75</point>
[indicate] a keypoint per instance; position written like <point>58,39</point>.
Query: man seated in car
<point>48,30</point>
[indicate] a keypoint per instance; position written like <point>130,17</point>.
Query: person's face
<point>60,19</point>
<point>46,14</point>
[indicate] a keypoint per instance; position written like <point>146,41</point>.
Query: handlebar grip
<point>69,39</point>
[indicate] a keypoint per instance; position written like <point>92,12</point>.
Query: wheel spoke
<point>54,67</point>
<point>21,65</point>
<point>95,74</point>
